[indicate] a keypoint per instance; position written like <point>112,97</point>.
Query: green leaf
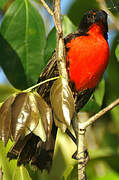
<point>24,30</point>
<point>91,106</point>
<point>77,9</point>
<point>99,92</point>
<point>8,167</point>
<point>67,172</point>
<point>6,91</point>
<point>51,44</point>
<point>2,4</point>
<point>11,64</point>
<point>62,102</point>
<point>73,174</point>
<point>95,102</point>
<point>117,52</point>
<point>21,173</point>
<point>68,26</point>
<point>100,170</point>
<point>112,87</point>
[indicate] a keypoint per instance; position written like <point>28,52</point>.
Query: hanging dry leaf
<point>25,114</point>
<point>60,124</point>
<point>5,119</point>
<point>46,116</point>
<point>62,102</point>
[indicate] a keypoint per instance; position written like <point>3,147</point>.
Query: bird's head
<point>94,16</point>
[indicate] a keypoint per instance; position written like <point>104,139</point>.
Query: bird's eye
<point>89,16</point>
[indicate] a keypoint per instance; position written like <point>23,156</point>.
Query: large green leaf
<point>12,65</point>
<point>21,173</point>
<point>51,44</point>
<point>68,26</point>
<point>2,4</point>
<point>117,52</point>
<point>78,8</point>
<point>24,30</point>
<point>112,85</point>
<point>91,106</point>
<point>5,91</point>
<point>9,168</point>
<point>99,92</point>
<point>100,170</point>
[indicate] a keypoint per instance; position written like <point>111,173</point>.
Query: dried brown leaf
<point>62,102</point>
<point>5,119</point>
<point>46,115</point>
<point>60,124</point>
<point>25,115</point>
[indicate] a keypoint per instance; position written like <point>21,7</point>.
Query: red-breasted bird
<point>87,56</point>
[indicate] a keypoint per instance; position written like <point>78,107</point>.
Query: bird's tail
<point>31,149</point>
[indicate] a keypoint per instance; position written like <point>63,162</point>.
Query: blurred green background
<point>102,138</point>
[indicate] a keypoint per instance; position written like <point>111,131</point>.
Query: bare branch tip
<point>47,7</point>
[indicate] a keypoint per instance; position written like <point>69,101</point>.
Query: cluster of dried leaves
<point>24,113</point>
<point>27,112</point>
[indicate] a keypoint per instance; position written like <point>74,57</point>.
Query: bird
<point>87,57</point>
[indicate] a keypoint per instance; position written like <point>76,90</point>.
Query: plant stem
<point>39,84</point>
<point>60,51</point>
<point>81,155</point>
<point>91,120</point>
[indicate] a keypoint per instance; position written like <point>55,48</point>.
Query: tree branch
<point>80,129</point>
<point>91,120</point>
<point>60,50</point>
<point>47,7</point>
<point>81,155</point>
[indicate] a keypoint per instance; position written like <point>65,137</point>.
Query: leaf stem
<point>37,85</point>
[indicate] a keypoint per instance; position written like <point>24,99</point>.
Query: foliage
<point>25,51</point>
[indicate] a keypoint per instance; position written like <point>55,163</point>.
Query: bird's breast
<point>87,58</point>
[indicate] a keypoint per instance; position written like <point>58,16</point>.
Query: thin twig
<point>47,7</point>
<point>57,16</point>
<point>91,120</point>
<point>60,51</point>
<point>114,19</point>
